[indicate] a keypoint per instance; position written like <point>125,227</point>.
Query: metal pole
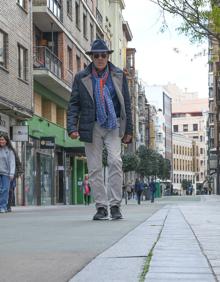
<point>23,176</point>
<point>217,133</point>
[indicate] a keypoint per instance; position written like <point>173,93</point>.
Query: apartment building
<point>38,63</point>
<point>62,32</point>
<point>213,118</point>
<point>16,101</point>
<point>189,119</point>
<point>161,100</point>
<point>185,162</point>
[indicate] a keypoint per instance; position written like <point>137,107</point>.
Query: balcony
<point>47,15</point>
<point>49,72</point>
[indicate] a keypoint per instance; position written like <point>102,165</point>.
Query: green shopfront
<point>55,165</point>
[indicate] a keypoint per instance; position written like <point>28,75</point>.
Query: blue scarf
<point>106,116</point>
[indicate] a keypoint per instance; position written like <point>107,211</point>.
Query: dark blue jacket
<point>152,186</point>
<point>81,112</point>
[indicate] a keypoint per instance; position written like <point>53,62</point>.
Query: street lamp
<point>217,95</point>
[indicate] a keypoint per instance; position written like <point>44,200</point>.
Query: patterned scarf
<point>106,116</point>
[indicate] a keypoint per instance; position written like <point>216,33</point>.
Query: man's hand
<point>127,139</point>
<point>74,135</point>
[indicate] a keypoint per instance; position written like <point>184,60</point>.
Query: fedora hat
<point>99,46</point>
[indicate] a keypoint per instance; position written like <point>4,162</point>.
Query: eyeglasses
<point>102,55</point>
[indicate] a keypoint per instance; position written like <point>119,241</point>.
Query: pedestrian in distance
<point>13,183</point>
<point>86,190</point>
<point>152,187</point>
<point>99,112</point>
<point>139,188</point>
<point>7,169</point>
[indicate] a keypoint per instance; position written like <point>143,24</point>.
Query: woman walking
<point>7,169</point>
<point>86,190</point>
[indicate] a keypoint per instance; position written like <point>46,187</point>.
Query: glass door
<point>46,179</point>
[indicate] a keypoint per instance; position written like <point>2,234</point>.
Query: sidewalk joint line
<point>146,265</point>
<point>126,257</point>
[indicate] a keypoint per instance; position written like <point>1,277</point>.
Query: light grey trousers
<point>111,194</point>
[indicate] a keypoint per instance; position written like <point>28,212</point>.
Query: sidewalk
<point>173,239</point>
<point>53,243</point>
<point>180,242</point>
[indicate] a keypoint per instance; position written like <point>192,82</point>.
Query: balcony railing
<point>45,59</point>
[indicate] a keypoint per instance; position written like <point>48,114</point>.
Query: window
<point>22,62</point>
<point>91,33</point>
<point>70,58</point>
<point>77,14</point>
<point>3,49</point>
<point>78,63</point>
<point>69,8</point>
<point>55,7</point>
<point>185,127</point>
<point>201,151</point>
<point>195,127</point>
<point>85,25</point>
<point>175,128</point>
<point>22,3</point>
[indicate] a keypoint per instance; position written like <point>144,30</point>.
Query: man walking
<point>152,187</point>
<point>99,112</point>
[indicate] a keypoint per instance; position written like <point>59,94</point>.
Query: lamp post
<point>217,146</point>
<point>217,95</point>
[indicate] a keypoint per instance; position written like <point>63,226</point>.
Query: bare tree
<point>200,18</point>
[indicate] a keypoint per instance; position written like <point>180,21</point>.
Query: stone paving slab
<point>110,270</point>
<point>192,261</point>
<point>125,259</point>
<point>180,269</point>
<point>183,277</point>
<point>184,250</point>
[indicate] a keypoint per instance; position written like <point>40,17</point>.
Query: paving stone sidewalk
<point>177,243</point>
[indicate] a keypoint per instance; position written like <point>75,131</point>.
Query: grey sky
<point>167,57</point>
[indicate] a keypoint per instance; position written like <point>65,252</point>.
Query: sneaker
<point>115,212</point>
<point>101,214</point>
<point>2,210</point>
<point>9,210</point>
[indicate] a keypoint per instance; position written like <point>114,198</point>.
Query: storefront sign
<point>60,167</point>
<point>47,142</point>
<point>20,132</point>
<point>4,123</point>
